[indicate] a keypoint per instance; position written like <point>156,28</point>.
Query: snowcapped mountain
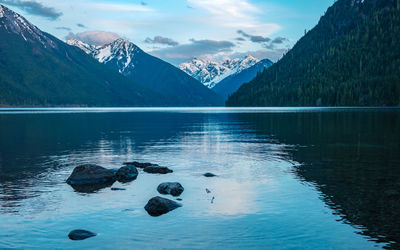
<point>37,69</point>
<point>121,51</point>
<point>153,73</point>
<point>15,23</point>
<point>210,73</point>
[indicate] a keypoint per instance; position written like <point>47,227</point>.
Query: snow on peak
<point>1,11</point>
<point>120,52</point>
<point>211,72</point>
<point>88,49</point>
<point>15,23</point>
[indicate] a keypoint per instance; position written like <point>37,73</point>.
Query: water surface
<point>287,178</point>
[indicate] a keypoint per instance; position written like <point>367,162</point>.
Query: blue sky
<point>178,30</point>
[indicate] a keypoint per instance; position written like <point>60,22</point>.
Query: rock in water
<point>158,206</point>
<point>118,189</point>
<point>172,188</point>
<point>139,164</point>
<point>91,174</point>
<point>209,175</point>
<point>157,170</point>
<point>127,173</point>
<point>80,234</point>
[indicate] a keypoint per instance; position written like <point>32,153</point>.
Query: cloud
<point>254,38</point>
<point>240,39</point>
<point>80,25</point>
<point>280,40</point>
<point>161,40</point>
<point>94,37</point>
<point>196,48</point>
<point>226,8</point>
<point>116,7</point>
<point>63,28</point>
<point>34,8</point>
<point>235,14</point>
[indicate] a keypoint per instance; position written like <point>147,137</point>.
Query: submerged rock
<point>80,234</point>
<point>157,206</point>
<point>91,188</point>
<point>208,191</point>
<point>157,170</point>
<point>126,174</point>
<point>172,188</point>
<point>139,164</point>
<point>209,175</point>
<point>91,174</point>
<point>118,189</point>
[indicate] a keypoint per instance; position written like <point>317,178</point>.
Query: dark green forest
<point>351,58</point>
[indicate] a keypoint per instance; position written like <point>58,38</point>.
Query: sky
<point>180,30</point>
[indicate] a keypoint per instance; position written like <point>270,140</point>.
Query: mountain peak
<point>1,11</point>
<point>15,23</point>
<point>210,73</point>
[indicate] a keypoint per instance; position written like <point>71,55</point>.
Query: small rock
<point>140,165</point>
<point>208,191</point>
<point>157,170</point>
<point>209,175</point>
<point>157,206</point>
<point>80,234</point>
<point>172,188</point>
<point>212,200</point>
<point>126,174</point>
<point>91,174</point>
<point>118,189</point>
<point>179,199</point>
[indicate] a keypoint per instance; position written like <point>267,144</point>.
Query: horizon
<point>182,31</point>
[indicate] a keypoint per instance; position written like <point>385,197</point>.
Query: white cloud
<point>120,7</point>
<point>94,37</point>
<point>238,14</point>
<point>231,9</point>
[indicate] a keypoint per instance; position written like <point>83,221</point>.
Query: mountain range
<point>37,69</point>
<point>350,58</point>
<point>210,72</point>
<point>153,73</point>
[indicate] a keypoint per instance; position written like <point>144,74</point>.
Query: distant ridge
<point>230,84</point>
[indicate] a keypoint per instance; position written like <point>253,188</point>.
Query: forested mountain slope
<point>37,69</point>
<point>351,58</point>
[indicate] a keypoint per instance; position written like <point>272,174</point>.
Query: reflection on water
<point>273,167</point>
<point>354,160</point>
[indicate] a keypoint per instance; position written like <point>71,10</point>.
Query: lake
<point>314,178</point>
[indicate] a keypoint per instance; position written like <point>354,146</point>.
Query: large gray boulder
<point>80,234</point>
<point>91,174</point>
<point>172,188</point>
<point>158,206</point>
<point>126,174</point>
<point>157,170</point>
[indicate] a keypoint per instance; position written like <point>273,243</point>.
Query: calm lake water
<point>287,178</point>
